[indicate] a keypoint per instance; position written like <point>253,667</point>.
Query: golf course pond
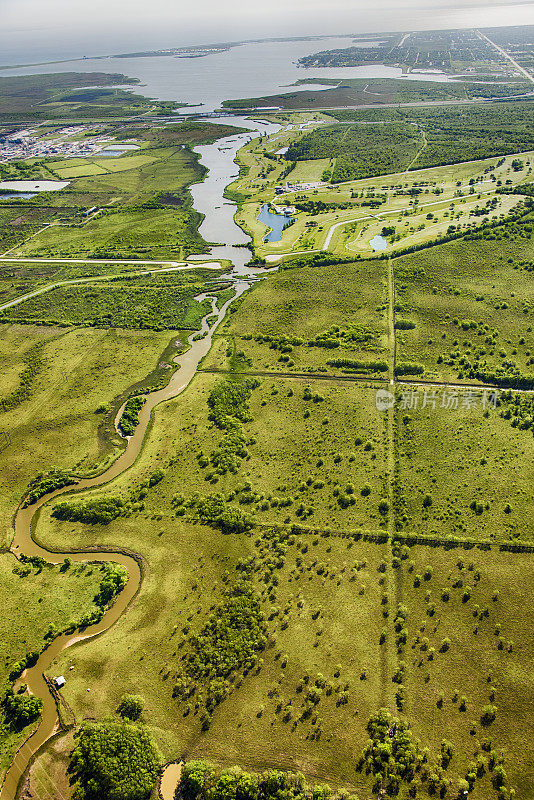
<point>276,222</point>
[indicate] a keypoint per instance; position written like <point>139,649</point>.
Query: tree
<point>115,760</point>
<point>488,714</point>
<point>131,706</point>
<point>21,709</point>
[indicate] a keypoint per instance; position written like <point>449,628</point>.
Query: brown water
<point>25,542</point>
<point>169,780</point>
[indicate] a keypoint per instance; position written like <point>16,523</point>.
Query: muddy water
<point>25,542</point>
<point>169,780</point>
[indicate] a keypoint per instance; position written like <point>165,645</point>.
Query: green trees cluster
<point>409,368</point>
<point>115,760</point>
<point>391,754</point>
<point>130,416</point>
<point>229,643</point>
<point>21,709</point>
<point>113,581</point>
<point>100,511</point>
<point>47,482</point>
<point>34,363</point>
<point>351,365</point>
<point>200,780</point>
<point>213,510</point>
<point>228,404</point>
<point>131,707</point>
<point>456,134</point>
<point>360,151</point>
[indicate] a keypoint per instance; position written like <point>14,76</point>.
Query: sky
<point>36,30</point>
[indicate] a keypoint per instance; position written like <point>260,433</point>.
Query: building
<point>59,681</point>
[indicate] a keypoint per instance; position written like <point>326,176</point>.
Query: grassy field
<point>279,318</point>
<point>156,302</point>
<point>475,666</point>
<point>302,580</point>
<point>316,636</point>
<point>478,487</point>
<point>56,426</point>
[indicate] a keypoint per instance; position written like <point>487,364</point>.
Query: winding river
<point>219,226</point>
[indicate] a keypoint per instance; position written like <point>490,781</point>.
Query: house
<point>59,681</point>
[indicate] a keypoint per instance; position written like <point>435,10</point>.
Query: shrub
<point>131,707</point>
<point>383,506</point>
<point>488,715</point>
<point>156,477</point>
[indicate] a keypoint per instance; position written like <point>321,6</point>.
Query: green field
<point>143,200</point>
<point>471,305</point>
<point>57,95</point>
<point>286,323</point>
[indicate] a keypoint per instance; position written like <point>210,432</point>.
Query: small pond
<point>118,149</point>
<point>277,222</point>
<point>378,242</point>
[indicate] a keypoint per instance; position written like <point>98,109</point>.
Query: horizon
<point>59,31</point>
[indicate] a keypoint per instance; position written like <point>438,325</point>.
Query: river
<point>208,196</point>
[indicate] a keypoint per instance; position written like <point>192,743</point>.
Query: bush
<point>409,368</point>
<point>488,715</point>
<point>383,506</point>
<point>131,707</point>
<point>156,477</point>
<point>404,325</point>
